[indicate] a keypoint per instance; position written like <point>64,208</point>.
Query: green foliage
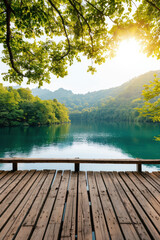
<point>41,37</point>
<point>20,107</point>
<point>113,109</point>
<point>113,104</point>
<point>151,106</point>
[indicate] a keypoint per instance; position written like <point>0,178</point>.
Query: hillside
<point>18,107</point>
<point>77,102</point>
<point>72,100</point>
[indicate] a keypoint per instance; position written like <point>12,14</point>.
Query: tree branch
<point>153,4</point>
<point>95,7</point>
<point>8,37</point>
<point>89,28</point>
<point>64,27</point>
<point>134,4</point>
<point>98,10</point>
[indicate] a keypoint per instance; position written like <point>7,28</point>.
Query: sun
<point>130,61</point>
<point>130,51</point>
<point>131,57</point>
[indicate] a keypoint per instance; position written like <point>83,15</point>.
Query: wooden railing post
<point>76,166</point>
<point>139,167</point>
<point>14,166</point>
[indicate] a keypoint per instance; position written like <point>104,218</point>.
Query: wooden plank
<point>3,173</point>
<point>11,186</point>
<point>136,221</point>
<point>145,205</point>
<point>19,215</point>
<point>7,179</point>
<point>84,228</point>
<point>69,224</point>
<point>32,216</point>
<point>42,222</point>
<point>9,183</point>
<point>149,187</point>
<point>155,178</point>
<point>123,180</point>
<point>112,223</point>
<point>15,207</point>
<point>157,174</point>
<point>151,180</point>
<point>15,193</point>
<point>29,211</point>
<point>120,210</point>
<point>55,221</point>
<point>145,192</point>
<point>129,232</point>
<point>100,228</point>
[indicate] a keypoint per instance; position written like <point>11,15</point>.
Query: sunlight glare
<point>130,50</point>
<point>129,62</point>
<point>131,59</point>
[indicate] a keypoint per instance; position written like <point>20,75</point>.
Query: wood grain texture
<point>84,228</point>
<point>44,205</point>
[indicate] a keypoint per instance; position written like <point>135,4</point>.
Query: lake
<point>83,140</point>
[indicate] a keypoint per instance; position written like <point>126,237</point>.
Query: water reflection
<point>136,140</point>
<point>22,140</point>
<point>81,139</point>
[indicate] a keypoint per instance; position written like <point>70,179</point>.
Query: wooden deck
<point>79,205</point>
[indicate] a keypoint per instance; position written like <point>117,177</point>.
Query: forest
<point>41,38</point>
<point>113,109</point>
<point>115,104</point>
<point>20,107</point>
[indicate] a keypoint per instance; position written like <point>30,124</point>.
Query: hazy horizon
<point>35,87</point>
<point>129,63</point>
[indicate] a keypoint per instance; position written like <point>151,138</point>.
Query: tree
<point>40,37</point>
<point>151,106</point>
<point>20,107</point>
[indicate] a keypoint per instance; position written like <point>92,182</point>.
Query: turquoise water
<point>83,140</point>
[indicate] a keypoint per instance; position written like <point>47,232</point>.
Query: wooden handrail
<point>80,160</point>
<point>77,161</point>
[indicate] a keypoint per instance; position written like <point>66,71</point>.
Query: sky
<point>129,62</point>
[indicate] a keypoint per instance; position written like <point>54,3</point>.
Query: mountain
<point>70,99</point>
<point>45,94</point>
<point>129,90</point>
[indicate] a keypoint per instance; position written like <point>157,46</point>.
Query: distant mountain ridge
<point>129,90</point>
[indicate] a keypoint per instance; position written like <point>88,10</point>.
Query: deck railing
<point>78,161</point>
